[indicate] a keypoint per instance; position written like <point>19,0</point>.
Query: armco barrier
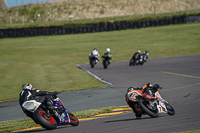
<point>90,28</point>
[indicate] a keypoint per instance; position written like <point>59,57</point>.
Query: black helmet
<point>156,86</point>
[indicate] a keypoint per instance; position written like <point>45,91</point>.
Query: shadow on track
<point>128,119</point>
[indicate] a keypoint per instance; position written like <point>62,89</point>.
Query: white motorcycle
<point>47,119</point>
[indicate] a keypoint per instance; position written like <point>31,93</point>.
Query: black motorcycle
<point>134,61</point>
<point>106,60</point>
<point>139,61</point>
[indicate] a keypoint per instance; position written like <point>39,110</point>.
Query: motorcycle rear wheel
<point>48,123</point>
<point>147,110</point>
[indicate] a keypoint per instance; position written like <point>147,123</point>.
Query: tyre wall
<point>90,28</point>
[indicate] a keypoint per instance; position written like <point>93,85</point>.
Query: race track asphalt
<point>180,78</point>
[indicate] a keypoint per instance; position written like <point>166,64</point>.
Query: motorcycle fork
<point>152,104</point>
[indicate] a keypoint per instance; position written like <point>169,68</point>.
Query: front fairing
<point>134,95</point>
<point>64,118</point>
<point>161,103</point>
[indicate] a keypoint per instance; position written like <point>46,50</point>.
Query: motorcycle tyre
<point>105,64</point>
<point>146,110</point>
<point>92,64</point>
<point>72,122</point>
<point>131,62</point>
<point>170,109</point>
<point>43,122</point>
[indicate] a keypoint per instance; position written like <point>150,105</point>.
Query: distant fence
<point>90,28</point>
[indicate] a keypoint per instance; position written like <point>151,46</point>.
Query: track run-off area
<point>179,76</point>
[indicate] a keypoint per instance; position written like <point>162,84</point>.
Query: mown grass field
<point>49,62</point>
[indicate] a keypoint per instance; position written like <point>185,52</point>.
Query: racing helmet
<point>95,52</point>
<point>108,50</point>
<point>131,88</point>
<point>139,51</point>
<point>27,86</point>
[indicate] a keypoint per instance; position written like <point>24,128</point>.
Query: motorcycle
<point>135,61</point>
<point>152,107</point>
<point>143,58</point>
<point>93,60</point>
<point>106,60</point>
<point>47,119</point>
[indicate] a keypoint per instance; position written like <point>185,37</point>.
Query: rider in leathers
<point>107,53</point>
<point>136,56</point>
<point>29,93</point>
<point>149,92</point>
<point>94,53</point>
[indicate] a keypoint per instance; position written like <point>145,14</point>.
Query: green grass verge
<point>49,62</point>
<point>15,125</point>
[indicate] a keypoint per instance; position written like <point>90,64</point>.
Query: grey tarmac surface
<point>180,79</point>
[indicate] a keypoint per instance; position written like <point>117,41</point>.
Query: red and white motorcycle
<point>152,107</point>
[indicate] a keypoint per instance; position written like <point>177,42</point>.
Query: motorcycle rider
<point>45,97</point>
<point>148,90</point>
<point>136,56</point>
<point>107,53</point>
<point>145,55</point>
<point>94,53</point>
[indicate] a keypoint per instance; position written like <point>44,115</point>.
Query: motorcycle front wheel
<point>48,122</point>
<point>92,63</point>
<point>131,62</point>
<point>105,64</point>
<point>73,120</point>
<point>152,113</point>
<point>170,109</point>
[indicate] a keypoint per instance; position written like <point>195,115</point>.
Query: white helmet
<point>95,52</point>
<point>139,51</point>
<point>108,50</point>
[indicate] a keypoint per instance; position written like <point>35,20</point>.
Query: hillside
<point>89,9</point>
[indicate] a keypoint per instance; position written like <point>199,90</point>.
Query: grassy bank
<point>49,62</point>
<point>59,12</point>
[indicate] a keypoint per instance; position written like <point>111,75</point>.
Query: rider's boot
<point>138,111</point>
